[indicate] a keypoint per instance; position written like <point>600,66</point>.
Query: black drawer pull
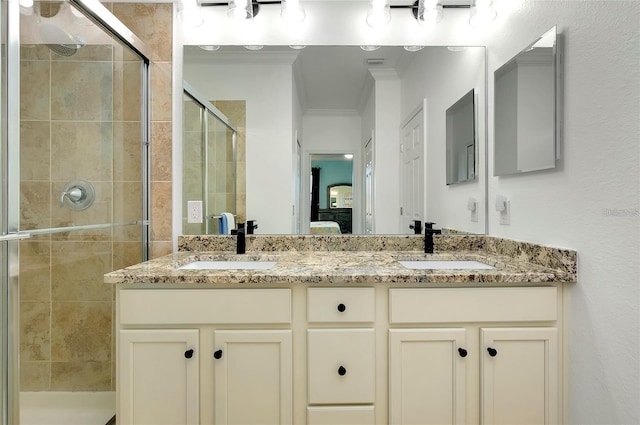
<point>462,352</point>
<point>342,308</point>
<point>188,354</point>
<point>342,371</point>
<point>218,354</point>
<point>492,351</point>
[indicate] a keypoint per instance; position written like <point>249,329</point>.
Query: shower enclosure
<point>209,163</point>
<point>74,192</point>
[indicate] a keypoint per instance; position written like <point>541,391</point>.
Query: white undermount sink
<point>228,265</point>
<point>445,264</point>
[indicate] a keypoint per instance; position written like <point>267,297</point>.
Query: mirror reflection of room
<point>331,194</point>
<point>298,105</point>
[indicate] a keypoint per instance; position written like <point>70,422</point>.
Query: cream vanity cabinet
<point>474,355</point>
<point>190,356</point>
<point>327,355</point>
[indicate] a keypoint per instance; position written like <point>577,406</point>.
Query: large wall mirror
<point>527,109</point>
<point>334,100</point>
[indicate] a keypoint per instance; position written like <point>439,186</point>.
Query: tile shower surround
<point>66,310</point>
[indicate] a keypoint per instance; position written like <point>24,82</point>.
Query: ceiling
<point>328,77</point>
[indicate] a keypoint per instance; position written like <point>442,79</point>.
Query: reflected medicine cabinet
<point>527,105</point>
<point>461,140</point>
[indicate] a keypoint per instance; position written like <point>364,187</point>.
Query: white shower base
<point>67,408</point>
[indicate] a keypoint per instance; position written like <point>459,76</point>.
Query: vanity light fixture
<point>456,48</point>
<point>291,10</point>
<point>429,12</point>
<point>243,9</point>
<point>413,48</point>
<point>369,48</point>
<point>209,47</point>
<point>297,47</point>
<point>348,155</point>
<point>482,13</point>
<point>254,47</point>
<point>379,13</point>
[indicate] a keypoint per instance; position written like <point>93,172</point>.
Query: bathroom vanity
<point>333,334</point>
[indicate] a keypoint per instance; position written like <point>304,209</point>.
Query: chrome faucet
<point>429,231</point>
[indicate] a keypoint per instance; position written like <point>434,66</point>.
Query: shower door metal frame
<point>209,108</point>
<point>10,234</point>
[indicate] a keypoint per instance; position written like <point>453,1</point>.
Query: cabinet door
<point>520,376</point>
<point>158,377</point>
<point>427,376</point>
<point>253,377</point>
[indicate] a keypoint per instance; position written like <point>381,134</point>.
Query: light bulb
<point>482,13</point>
<point>292,12</point>
<point>379,13</point>
<point>429,12</point>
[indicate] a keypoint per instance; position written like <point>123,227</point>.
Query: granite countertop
<point>354,267</point>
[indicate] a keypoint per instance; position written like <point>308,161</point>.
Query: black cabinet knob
<point>341,308</point>
<point>492,351</point>
<point>218,354</point>
<point>462,352</point>
<point>342,371</point>
<point>188,354</point>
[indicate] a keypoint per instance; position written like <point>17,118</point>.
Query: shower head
<point>64,49</point>
<point>59,41</point>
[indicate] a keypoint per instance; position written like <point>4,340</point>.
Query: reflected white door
<point>368,188</point>
<point>412,184</point>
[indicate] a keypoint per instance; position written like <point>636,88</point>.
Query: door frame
<point>356,181</point>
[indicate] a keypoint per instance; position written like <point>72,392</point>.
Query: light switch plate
<point>194,211</point>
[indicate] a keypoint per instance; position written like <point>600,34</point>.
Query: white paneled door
<point>412,157</point>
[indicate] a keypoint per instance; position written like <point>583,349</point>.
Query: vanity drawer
<point>341,305</point>
<point>200,306</point>
<point>455,305</point>
<point>331,415</point>
<point>341,366</point>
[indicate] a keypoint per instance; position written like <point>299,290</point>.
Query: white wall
<point>268,91</point>
<point>572,206</point>
<point>386,179</point>
<point>589,204</point>
<point>450,76</point>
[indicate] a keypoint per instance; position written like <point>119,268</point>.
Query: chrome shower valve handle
<point>77,195</point>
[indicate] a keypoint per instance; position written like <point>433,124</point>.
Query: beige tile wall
<point>66,309</point>
<point>152,23</point>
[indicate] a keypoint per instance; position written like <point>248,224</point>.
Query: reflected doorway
<point>331,194</point>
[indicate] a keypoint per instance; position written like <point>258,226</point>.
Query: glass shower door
<point>75,174</point>
<point>209,163</point>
